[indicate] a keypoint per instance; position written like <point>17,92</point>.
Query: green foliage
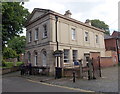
<point>17,44</point>
<point>19,63</point>
<point>9,53</point>
<point>100,24</point>
<point>14,16</point>
<point>9,64</point>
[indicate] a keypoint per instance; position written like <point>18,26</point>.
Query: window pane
<point>74,55</point>
<point>36,34</point>
<point>86,36</point>
<point>66,55</point>
<point>73,34</point>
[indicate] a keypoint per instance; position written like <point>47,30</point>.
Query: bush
<point>19,63</point>
<point>9,64</point>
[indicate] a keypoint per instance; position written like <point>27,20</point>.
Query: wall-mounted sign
<point>58,53</point>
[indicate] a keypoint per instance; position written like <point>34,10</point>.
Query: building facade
<point>76,39</point>
<point>112,46</point>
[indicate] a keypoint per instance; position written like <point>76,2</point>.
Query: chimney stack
<point>88,22</point>
<point>68,13</point>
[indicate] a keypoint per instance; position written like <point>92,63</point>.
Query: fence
<point>92,70</point>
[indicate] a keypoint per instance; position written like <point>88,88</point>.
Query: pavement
<point>107,83</point>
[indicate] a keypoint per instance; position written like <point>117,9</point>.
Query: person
<point>30,68</point>
<point>22,69</point>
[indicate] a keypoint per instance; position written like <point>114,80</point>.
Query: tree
<point>100,24</point>
<point>17,44</point>
<point>9,53</point>
<point>14,16</point>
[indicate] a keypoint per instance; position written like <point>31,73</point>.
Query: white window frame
<point>45,35</point>
<point>36,33</point>
<point>30,36</point>
<point>86,36</point>
<point>73,34</point>
<point>66,55</point>
<point>75,54</point>
<point>36,58</point>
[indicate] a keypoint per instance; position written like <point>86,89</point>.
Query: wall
<point>107,62</point>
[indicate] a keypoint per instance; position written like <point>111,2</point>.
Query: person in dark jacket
<point>30,68</point>
<point>22,69</point>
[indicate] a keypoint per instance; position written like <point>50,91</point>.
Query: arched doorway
<point>44,57</point>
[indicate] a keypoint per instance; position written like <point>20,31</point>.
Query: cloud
<point>105,10</point>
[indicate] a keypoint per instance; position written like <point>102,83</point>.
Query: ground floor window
<point>74,52</point>
<point>36,59</point>
<point>66,55</point>
<point>44,58</point>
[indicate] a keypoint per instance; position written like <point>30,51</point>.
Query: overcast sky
<point>104,10</point>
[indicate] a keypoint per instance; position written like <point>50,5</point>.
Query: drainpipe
<point>56,17</point>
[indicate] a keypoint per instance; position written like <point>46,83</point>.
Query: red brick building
<point>112,43</point>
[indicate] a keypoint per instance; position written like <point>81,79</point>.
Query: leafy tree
<point>100,24</point>
<point>9,53</point>
<point>17,44</point>
<point>14,16</point>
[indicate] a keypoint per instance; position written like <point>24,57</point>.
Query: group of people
<point>26,69</point>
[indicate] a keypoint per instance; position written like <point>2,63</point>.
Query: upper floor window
<point>73,34</point>
<point>45,31</point>
<point>74,55</point>
<point>66,55</point>
<point>36,33</point>
<point>29,36</point>
<point>86,36</point>
<point>96,38</point>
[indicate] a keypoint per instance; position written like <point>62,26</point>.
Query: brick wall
<point>107,62</point>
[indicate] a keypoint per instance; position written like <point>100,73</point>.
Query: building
<point>76,39</point>
<point>112,44</point>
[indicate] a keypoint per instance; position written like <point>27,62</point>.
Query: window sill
<point>36,40</point>
<point>44,38</point>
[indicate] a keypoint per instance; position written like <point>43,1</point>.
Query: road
<point>19,84</point>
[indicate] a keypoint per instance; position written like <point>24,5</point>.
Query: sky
<point>104,10</point>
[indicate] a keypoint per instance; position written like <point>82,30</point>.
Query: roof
<point>47,11</point>
<point>116,34</point>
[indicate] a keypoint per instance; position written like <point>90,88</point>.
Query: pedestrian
<point>30,68</point>
<point>22,69</point>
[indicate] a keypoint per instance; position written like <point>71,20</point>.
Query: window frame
<point>36,33</point>
<point>74,55</point>
<point>29,36</point>
<point>86,36</point>
<point>66,55</point>
<point>73,33</point>
<point>45,32</point>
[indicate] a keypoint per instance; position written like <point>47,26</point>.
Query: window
<point>74,55</point>
<point>96,38</point>
<point>73,34</point>
<point>86,36</point>
<point>45,31</point>
<point>36,33</point>
<point>36,59</point>
<point>30,37</point>
<point>66,55</point>
<point>29,57</point>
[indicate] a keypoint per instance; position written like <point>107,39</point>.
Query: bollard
<point>73,76</point>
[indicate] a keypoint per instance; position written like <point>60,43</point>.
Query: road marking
<point>81,90</point>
